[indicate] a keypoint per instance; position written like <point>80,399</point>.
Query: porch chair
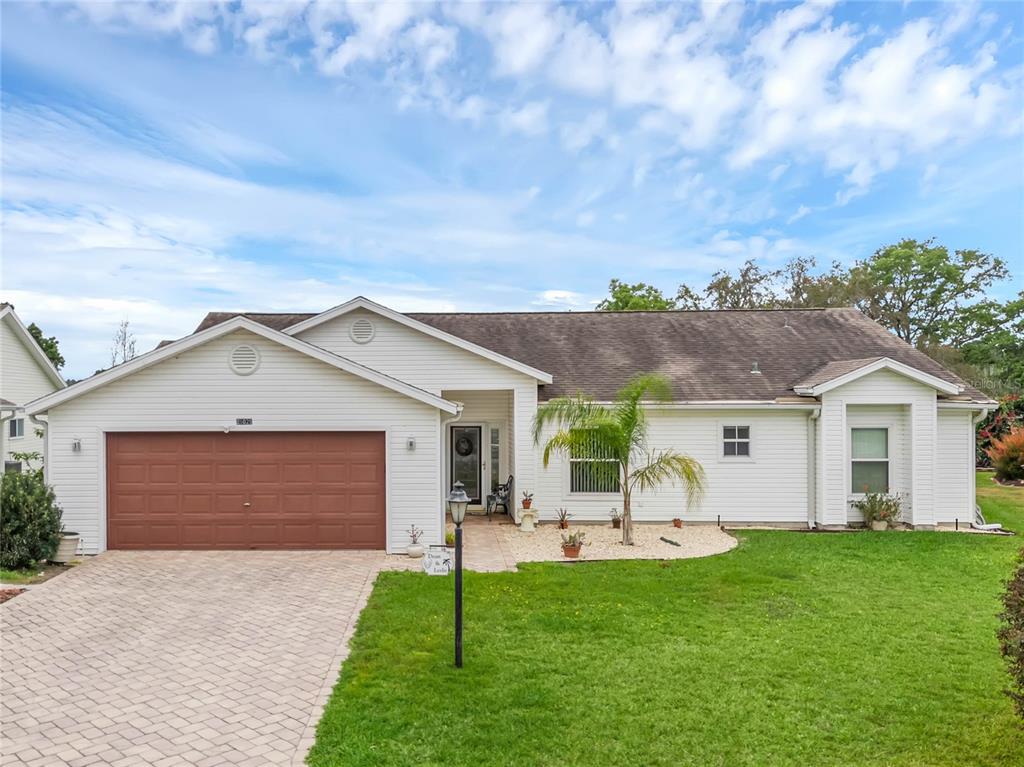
<point>502,496</point>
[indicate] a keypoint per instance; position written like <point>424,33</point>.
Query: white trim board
<point>230,326</point>
<point>359,302</point>
<point>885,363</point>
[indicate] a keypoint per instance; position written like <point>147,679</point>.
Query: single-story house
<point>342,429</point>
<point>26,373</point>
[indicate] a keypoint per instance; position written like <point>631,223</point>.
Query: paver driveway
<point>199,658</point>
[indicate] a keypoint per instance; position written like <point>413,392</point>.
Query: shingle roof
<point>707,355</point>
<point>832,370</point>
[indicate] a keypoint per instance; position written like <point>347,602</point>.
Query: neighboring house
<point>26,373</point>
<point>342,429</point>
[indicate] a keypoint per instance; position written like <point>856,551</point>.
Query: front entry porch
<point>479,445</point>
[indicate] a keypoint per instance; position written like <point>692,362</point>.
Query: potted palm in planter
<point>616,516</point>
<point>527,499</point>
<point>571,544</point>
<point>415,548</point>
<point>563,518</point>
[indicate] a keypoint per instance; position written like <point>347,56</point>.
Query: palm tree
<point>616,435</point>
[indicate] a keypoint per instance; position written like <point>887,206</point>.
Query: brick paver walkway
<point>177,658</point>
<point>485,550</point>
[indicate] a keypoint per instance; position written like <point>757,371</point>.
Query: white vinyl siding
<point>21,381</point>
<point>881,399</point>
<point>771,490</point>
<point>196,391</point>
<point>436,365</point>
<point>954,487</point>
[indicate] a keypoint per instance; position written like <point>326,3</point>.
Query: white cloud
<point>578,136</point>
<point>376,25</point>
<point>802,211</point>
<point>531,119</point>
<point>586,219</point>
<point>434,43</point>
<point>522,35</point>
<point>561,299</point>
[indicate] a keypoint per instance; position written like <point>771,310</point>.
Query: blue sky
<point>162,160</point>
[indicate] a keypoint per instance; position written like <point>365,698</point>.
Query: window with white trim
<point>16,428</point>
<point>869,460</point>
<point>593,469</point>
<point>736,441</point>
<point>12,467</point>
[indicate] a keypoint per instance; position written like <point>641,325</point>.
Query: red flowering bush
<point>1007,455</point>
<point>1011,634</point>
<point>1009,415</point>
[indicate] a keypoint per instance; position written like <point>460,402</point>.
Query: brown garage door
<point>255,490</point>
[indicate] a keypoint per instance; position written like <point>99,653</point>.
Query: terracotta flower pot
<point>572,552</point>
<point>527,504</point>
<point>677,522</point>
<point>616,523</point>
<point>564,524</point>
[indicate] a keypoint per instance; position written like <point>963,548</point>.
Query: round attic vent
<point>361,330</point>
<point>244,360</point>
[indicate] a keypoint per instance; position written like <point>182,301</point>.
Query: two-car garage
<point>246,490</point>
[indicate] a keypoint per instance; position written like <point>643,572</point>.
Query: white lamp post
<point>458,501</point>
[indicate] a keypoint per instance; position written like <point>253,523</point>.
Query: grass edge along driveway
<point>795,648</point>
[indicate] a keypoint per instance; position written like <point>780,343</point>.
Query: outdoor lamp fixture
<point>457,503</point>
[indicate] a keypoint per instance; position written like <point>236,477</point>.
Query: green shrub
<point>1007,455</point>
<point>880,507</point>
<point>29,520</point>
<point>1011,634</point>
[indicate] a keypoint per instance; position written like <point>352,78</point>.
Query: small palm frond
<point>668,465</point>
<point>568,413</point>
<point>629,412</point>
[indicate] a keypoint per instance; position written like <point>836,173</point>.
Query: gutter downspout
<point>812,468</point>
<point>445,423</point>
<point>45,426</point>
<point>978,518</point>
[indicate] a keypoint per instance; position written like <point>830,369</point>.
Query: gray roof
<point>707,355</point>
<point>832,370</point>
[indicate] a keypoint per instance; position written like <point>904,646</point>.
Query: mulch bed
<point>6,594</point>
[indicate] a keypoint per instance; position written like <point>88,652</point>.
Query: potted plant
<point>563,518</point>
<point>571,544</point>
<point>415,548</point>
<point>449,538</point>
<point>616,516</point>
<point>880,510</point>
<point>67,548</point>
<point>527,499</point>
<point>677,522</point>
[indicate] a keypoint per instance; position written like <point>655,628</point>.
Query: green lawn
<point>795,648</point>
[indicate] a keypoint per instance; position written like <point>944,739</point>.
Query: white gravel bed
<point>605,542</point>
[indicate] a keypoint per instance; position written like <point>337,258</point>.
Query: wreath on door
<point>464,446</point>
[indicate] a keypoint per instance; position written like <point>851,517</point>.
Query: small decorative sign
<point>243,422</point>
<point>437,560</point>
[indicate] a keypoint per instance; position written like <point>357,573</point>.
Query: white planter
<point>67,549</point>
<point>414,550</point>
<point>527,520</point>
<point>879,524</point>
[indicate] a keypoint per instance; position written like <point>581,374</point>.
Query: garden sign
<point>437,560</point>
